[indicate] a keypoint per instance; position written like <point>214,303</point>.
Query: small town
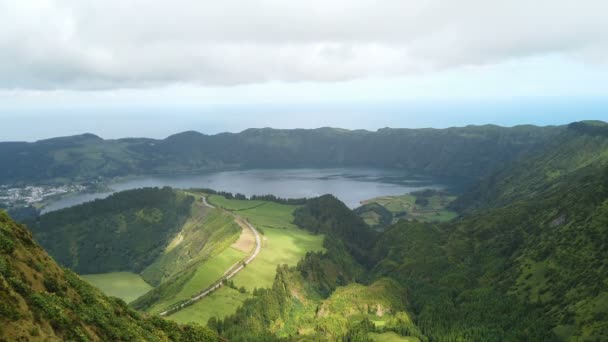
<point>13,196</point>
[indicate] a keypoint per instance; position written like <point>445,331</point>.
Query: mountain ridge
<point>465,153</point>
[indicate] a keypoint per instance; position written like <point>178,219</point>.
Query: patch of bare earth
<point>246,241</point>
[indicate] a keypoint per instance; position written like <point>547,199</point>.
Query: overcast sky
<point>92,57</point>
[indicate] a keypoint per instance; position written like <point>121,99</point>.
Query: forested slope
<point>40,301</point>
<point>530,264</point>
<point>463,153</point>
<point>581,145</point>
<point>124,232</point>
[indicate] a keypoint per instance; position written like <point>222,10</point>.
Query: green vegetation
<point>41,301</point>
<point>124,232</point>
<point>205,275</point>
<point>234,204</point>
<point>463,153</point>
<point>196,257</point>
<point>375,215</point>
<point>164,235</point>
<point>294,306</point>
<point>425,205</point>
<point>391,337</point>
<point>222,303</point>
<point>569,153</point>
<point>528,264</point>
<point>124,285</point>
<point>319,299</point>
<point>530,255</point>
<point>283,243</point>
<point>526,260</point>
<point>206,233</point>
<point>280,246</point>
<point>210,271</point>
<point>327,215</point>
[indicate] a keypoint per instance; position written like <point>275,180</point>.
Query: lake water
<point>348,184</point>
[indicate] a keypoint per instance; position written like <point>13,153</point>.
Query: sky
<point>153,68</point>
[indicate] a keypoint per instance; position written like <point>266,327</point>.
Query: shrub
<point>8,311</point>
<point>6,244</point>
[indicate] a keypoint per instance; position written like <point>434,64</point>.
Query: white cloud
<point>74,44</point>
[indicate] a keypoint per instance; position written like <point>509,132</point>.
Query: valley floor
<point>127,286</point>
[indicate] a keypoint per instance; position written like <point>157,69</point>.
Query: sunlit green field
<point>220,303</point>
<point>435,211</point>
<point>392,337</point>
<point>124,285</point>
<point>232,204</point>
<point>280,246</point>
<point>283,243</point>
<point>206,274</point>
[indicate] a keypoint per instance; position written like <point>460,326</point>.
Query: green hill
<point>326,297</point>
<point>580,146</point>
<point>523,255</point>
<point>530,264</point>
<point>162,235</point>
<point>283,243</point>
<point>532,258</point>
<point>464,153</point>
<point>124,232</point>
<point>426,205</point>
<point>375,215</point>
<point>40,301</point>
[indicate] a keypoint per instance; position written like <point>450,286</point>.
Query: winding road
<point>231,272</point>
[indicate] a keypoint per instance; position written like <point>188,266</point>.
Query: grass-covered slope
<point>127,286</point>
<point>282,243</point>
<point>40,301</point>
<point>581,145</point>
<point>164,235</point>
<point>375,215</point>
<point>124,232</point>
<point>322,298</point>
<point>426,205</point>
<point>193,260</point>
<point>205,233</point>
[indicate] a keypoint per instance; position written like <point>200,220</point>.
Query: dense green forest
<point>461,153</point>
<point>327,215</point>
<point>39,300</point>
<point>125,232</point>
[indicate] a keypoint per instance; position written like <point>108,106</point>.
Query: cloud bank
<point>106,44</point>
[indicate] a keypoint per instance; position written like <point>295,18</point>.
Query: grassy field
<point>124,285</point>
<point>392,337</point>
<point>232,204</point>
<point>206,274</point>
<point>280,246</point>
<point>282,243</point>
<point>205,234</point>
<point>405,206</point>
<point>220,303</point>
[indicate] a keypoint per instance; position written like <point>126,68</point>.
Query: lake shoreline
<point>351,185</point>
